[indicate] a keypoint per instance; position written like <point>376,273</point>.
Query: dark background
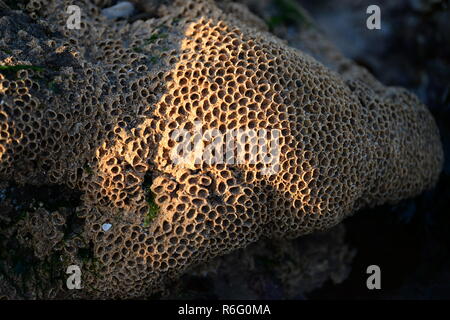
<point>410,241</point>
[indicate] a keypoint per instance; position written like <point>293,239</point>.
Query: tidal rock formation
<point>98,108</point>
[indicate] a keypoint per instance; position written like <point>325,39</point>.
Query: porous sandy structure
<point>96,110</point>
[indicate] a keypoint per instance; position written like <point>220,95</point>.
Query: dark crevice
<point>51,197</point>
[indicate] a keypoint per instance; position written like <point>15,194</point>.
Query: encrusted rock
<point>96,109</point>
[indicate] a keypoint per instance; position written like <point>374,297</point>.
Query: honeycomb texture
<point>100,113</point>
